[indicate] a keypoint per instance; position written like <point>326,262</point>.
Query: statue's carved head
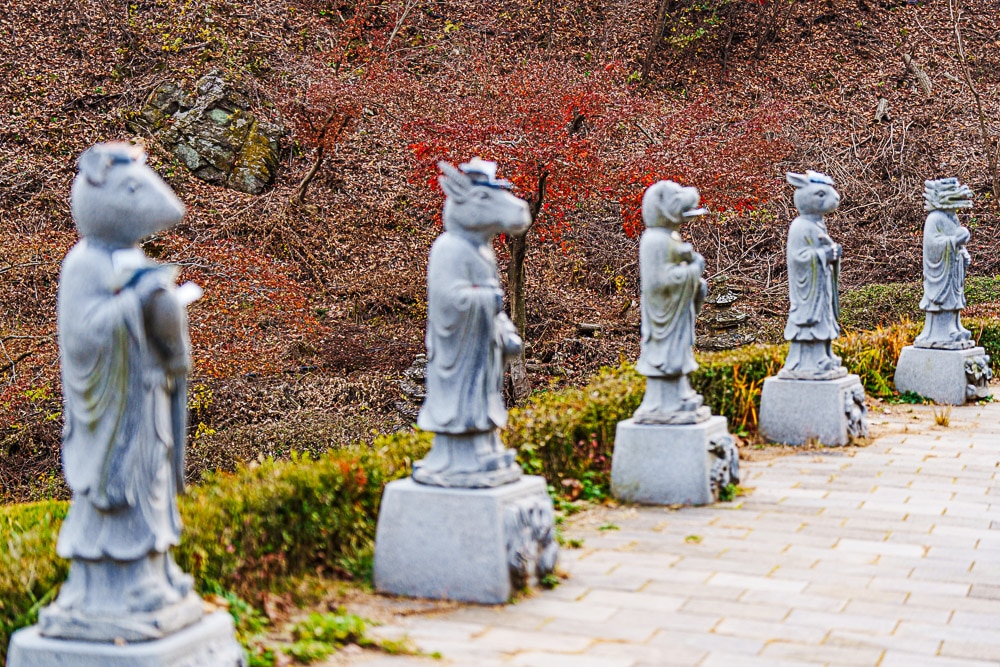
<point>946,194</point>
<point>118,199</point>
<point>478,202</point>
<point>668,204</point>
<point>814,193</point>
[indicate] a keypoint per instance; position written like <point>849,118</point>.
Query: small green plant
<point>728,493</point>
<point>608,526</point>
<point>550,580</point>
<point>693,539</point>
<point>320,635</point>
<point>910,398</point>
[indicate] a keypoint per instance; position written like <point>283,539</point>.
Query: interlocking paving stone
<point>884,556</point>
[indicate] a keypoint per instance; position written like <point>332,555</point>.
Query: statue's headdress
<point>946,194</point>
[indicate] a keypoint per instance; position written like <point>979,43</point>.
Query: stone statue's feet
<point>126,625</point>
<point>813,374</point>
<point>494,470</point>
<point>676,417</point>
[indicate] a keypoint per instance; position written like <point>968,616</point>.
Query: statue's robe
<point>118,443</point>
<point>811,287</point>
<point>672,292</point>
<point>944,264</point>
<point>465,339</point>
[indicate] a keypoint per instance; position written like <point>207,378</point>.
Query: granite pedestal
<point>657,464</point>
<point>470,545</point>
<point>831,412</point>
<point>211,642</point>
<point>942,375</point>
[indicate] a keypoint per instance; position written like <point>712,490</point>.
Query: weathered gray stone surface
<point>125,356</point>
<point>945,262</point>
<point>813,282</point>
<point>208,643</point>
<point>214,134</point>
<point>473,545</point>
<point>672,293</point>
<point>673,465</point>
<point>469,336</point>
<point>831,412</point>
<point>951,377</point>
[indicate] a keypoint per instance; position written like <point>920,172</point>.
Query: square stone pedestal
<point>831,412</point>
<point>471,545</point>
<point>665,464</point>
<point>939,375</point>
<point>211,642</point>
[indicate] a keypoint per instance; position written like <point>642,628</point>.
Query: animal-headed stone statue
<point>945,263</point>
<point>813,277</point>
<point>125,355</point>
<point>469,336</point>
<point>672,293</point>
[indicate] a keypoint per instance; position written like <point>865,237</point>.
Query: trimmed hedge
<point>247,530</point>
<point>242,531</point>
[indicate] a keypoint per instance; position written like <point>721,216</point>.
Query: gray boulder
<point>213,133</point>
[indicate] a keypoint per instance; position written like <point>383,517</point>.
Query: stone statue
<point>945,262</point>
<point>813,277</point>
<point>469,336</point>
<point>672,293</point>
<point>125,356</point>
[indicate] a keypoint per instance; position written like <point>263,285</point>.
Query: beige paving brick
<point>511,641</point>
<point>764,612</point>
<point>626,625</point>
<point>642,601</point>
<point>825,654</point>
<point>662,653</point>
<point>544,659</point>
<point>902,659</point>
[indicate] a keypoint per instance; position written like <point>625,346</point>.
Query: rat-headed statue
<point>469,336</point>
<point>125,355</point>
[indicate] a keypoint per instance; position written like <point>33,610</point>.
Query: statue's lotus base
<point>666,464</point>
<point>942,375</point>
<point>59,623</point>
<point>830,412</point>
<point>211,642</point>
<point>470,545</point>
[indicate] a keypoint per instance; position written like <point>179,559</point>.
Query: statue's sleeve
<point>940,255</point>
<point>807,270</point>
<point>460,321</point>
<point>100,331</point>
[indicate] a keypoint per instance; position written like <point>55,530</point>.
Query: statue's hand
<point>834,252</point>
<point>150,282</point>
<point>963,235</point>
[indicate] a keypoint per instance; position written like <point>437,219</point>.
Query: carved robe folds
<point>673,292</point>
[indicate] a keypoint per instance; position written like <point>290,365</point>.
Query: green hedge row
<point>246,530</point>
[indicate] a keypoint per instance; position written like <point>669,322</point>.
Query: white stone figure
<point>945,263</point>
<point>125,356</point>
<point>813,277</point>
<point>469,336</point>
<point>467,525</point>
<point>672,293</point>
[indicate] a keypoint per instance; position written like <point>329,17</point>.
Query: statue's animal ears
<point>95,162</point>
<point>455,184</point>
<point>798,180</point>
<point>802,180</point>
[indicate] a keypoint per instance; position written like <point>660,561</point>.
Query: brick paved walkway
<point>887,556</point>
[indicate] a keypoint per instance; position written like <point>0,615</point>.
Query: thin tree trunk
<point>300,192</point>
<point>517,246</point>
<point>654,40</point>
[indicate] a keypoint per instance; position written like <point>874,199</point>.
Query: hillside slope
<point>312,311</point>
